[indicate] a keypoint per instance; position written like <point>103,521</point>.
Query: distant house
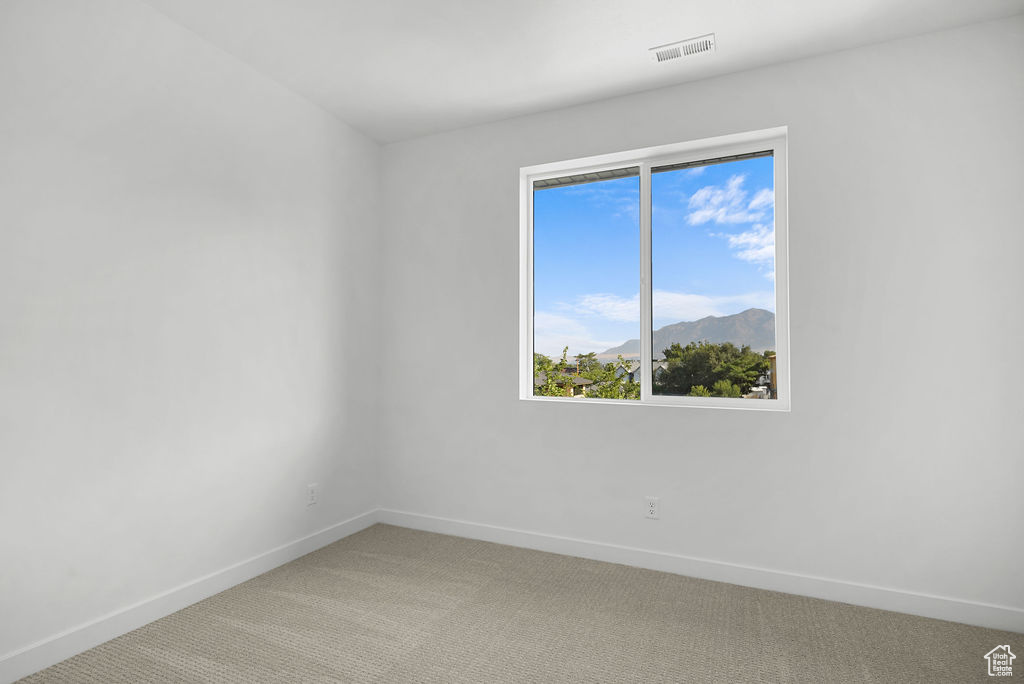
<point>630,370</point>
<point>659,367</point>
<point>578,384</point>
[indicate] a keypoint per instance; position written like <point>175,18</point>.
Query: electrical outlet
<point>312,492</point>
<point>651,507</point>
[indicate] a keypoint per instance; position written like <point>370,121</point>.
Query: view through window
<point>711,264</point>
<point>586,250</point>
<point>713,278</point>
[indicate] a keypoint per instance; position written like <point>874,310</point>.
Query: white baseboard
<point>58,647</point>
<point>926,605</point>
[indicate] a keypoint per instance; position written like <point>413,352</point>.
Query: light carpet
<point>395,605</point>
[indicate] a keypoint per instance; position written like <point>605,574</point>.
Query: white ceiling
<point>398,69</point>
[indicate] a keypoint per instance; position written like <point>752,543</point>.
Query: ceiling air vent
<point>684,48</point>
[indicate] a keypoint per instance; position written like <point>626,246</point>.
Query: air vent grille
<point>684,48</point>
<point>668,53</point>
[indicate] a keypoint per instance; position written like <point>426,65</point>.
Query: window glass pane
<point>586,256</point>
<point>713,279</point>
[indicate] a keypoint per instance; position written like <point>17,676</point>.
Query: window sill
<point>774,405</point>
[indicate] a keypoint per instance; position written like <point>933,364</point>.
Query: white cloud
<point>728,203</point>
<point>756,245</point>
<point>671,306</point>
<point>680,306</point>
<point>611,307</point>
<point>764,198</point>
<point>552,332</point>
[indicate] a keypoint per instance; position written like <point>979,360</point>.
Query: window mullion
<point>646,327</point>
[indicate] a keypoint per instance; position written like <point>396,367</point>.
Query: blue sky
<point>713,245</point>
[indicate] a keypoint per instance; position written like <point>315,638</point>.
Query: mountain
<point>755,327</point>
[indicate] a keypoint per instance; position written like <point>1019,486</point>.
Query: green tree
<point>704,364</point>
<point>541,363</point>
<point>587,362</point>
<point>611,383</point>
<point>699,391</point>
<point>724,388</point>
<point>554,376</point>
<point>612,386</point>
<point>606,382</point>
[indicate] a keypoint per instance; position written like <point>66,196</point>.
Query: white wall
<point>906,199</point>
<point>184,248</point>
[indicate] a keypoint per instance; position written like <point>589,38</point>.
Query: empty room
<point>463,341</point>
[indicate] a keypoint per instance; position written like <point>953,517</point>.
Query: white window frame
<point>773,139</point>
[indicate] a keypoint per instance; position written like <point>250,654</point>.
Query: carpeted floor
<point>395,605</point>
